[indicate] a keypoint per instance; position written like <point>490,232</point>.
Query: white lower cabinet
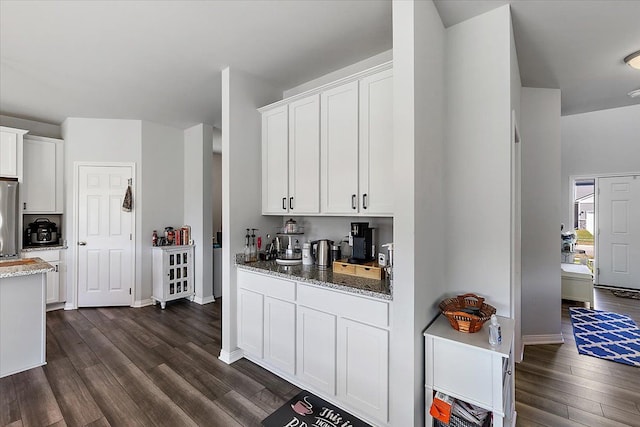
<point>55,279</point>
<point>280,334</point>
<point>316,349</point>
<point>250,328</point>
<point>363,367</point>
<point>333,343</point>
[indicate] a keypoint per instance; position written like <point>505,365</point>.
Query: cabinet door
<point>339,149</point>
<point>39,182</point>
<point>376,144</point>
<point>280,334</point>
<point>8,154</point>
<point>316,349</point>
<point>363,367</point>
<point>304,155</point>
<point>250,328</point>
<point>53,284</point>
<point>275,142</point>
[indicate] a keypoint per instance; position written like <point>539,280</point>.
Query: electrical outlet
<point>382,260</point>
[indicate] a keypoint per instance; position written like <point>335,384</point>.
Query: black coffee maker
<point>361,238</point>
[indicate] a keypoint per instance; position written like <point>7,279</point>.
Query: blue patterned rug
<point>606,335</point>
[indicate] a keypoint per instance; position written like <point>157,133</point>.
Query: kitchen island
<point>23,286</point>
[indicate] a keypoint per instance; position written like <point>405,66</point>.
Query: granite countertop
<point>44,248</point>
<point>311,274</point>
<point>23,267</point>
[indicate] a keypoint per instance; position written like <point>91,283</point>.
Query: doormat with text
<point>308,410</point>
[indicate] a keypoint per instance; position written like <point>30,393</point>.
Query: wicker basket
<point>467,313</point>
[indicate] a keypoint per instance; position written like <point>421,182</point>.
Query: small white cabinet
<point>11,152</point>
<point>56,290</point>
<point>291,158</point>
<point>42,188</point>
<point>172,273</point>
<point>466,367</point>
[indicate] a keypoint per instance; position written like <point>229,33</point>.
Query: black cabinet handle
<point>353,201</point>
<point>364,201</point>
<point>284,203</point>
<point>290,203</point>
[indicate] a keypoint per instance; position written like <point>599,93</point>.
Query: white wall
<point>161,183</point>
<point>600,142</point>
<point>418,226</point>
<point>242,94</point>
<point>34,128</point>
<point>198,206</point>
<point>478,158</point>
<point>540,135</point>
<point>96,140</point>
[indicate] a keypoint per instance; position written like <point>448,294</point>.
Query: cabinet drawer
<point>344,268</point>
<point>48,256</point>
<point>271,286</point>
<point>344,305</point>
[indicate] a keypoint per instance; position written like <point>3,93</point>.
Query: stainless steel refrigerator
<point>8,218</point>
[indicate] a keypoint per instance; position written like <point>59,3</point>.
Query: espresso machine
<point>361,242</point>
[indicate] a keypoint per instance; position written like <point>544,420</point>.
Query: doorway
<point>105,235</point>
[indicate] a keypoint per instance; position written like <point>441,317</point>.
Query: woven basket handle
<point>462,298</point>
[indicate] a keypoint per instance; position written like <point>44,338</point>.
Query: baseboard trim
<point>55,306</point>
<point>229,358</point>
<point>542,339</point>
<point>69,306</point>
<point>142,303</point>
<point>205,300</point>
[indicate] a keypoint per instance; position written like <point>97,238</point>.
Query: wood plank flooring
<point>556,386</point>
<point>139,367</point>
<point>152,367</point>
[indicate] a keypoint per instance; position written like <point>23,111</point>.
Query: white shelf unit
<point>468,368</point>
<point>172,273</point>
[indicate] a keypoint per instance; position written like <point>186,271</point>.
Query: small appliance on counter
<point>361,241</point>
<point>41,232</point>
<point>287,244</point>
<point>322,253</point>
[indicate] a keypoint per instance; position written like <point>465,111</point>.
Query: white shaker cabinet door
<point>339,149</point>
<point>316,349</point>
<point>376,144</point>
<point>280,334</point>
<point>42,183</point>
<point>275,142</point>
<point>9,154</point>
<point>304,156</point>
<point>251,326</point>
<point>363,367</point>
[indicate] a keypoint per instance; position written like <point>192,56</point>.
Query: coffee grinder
<point>361,241</point>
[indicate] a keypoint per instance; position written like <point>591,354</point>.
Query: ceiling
<point>160,61</point>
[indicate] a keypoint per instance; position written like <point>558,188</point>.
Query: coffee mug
<point>302,407</point>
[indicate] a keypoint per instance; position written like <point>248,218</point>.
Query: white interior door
<point>105,240</point>
<point>618,238</point>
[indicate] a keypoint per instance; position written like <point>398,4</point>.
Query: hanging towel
<point>127,204</point>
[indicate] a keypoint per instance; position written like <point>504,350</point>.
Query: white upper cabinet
<point>339,148</point>
<point>376,144</point>
<point>304,156</point>
<point>11,152</point>
<point>43,168</point>
<point>331,152</point>
<point>275,169</point>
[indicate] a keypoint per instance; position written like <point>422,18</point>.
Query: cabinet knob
<point>284,203</point>
<point>353,201</point>
<point>290,203</point>
<point>509,372</point>
<point>364,201</point>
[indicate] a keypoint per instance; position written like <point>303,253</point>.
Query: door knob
<point>82,243</point>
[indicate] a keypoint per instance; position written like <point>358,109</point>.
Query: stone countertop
<point>23,267</point>
<point>311,274</point>
<point>44,248</point>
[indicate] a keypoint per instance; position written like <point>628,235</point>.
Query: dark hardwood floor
<point>556,386</point>
<point>126,367</point>
<point>139,367</point>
